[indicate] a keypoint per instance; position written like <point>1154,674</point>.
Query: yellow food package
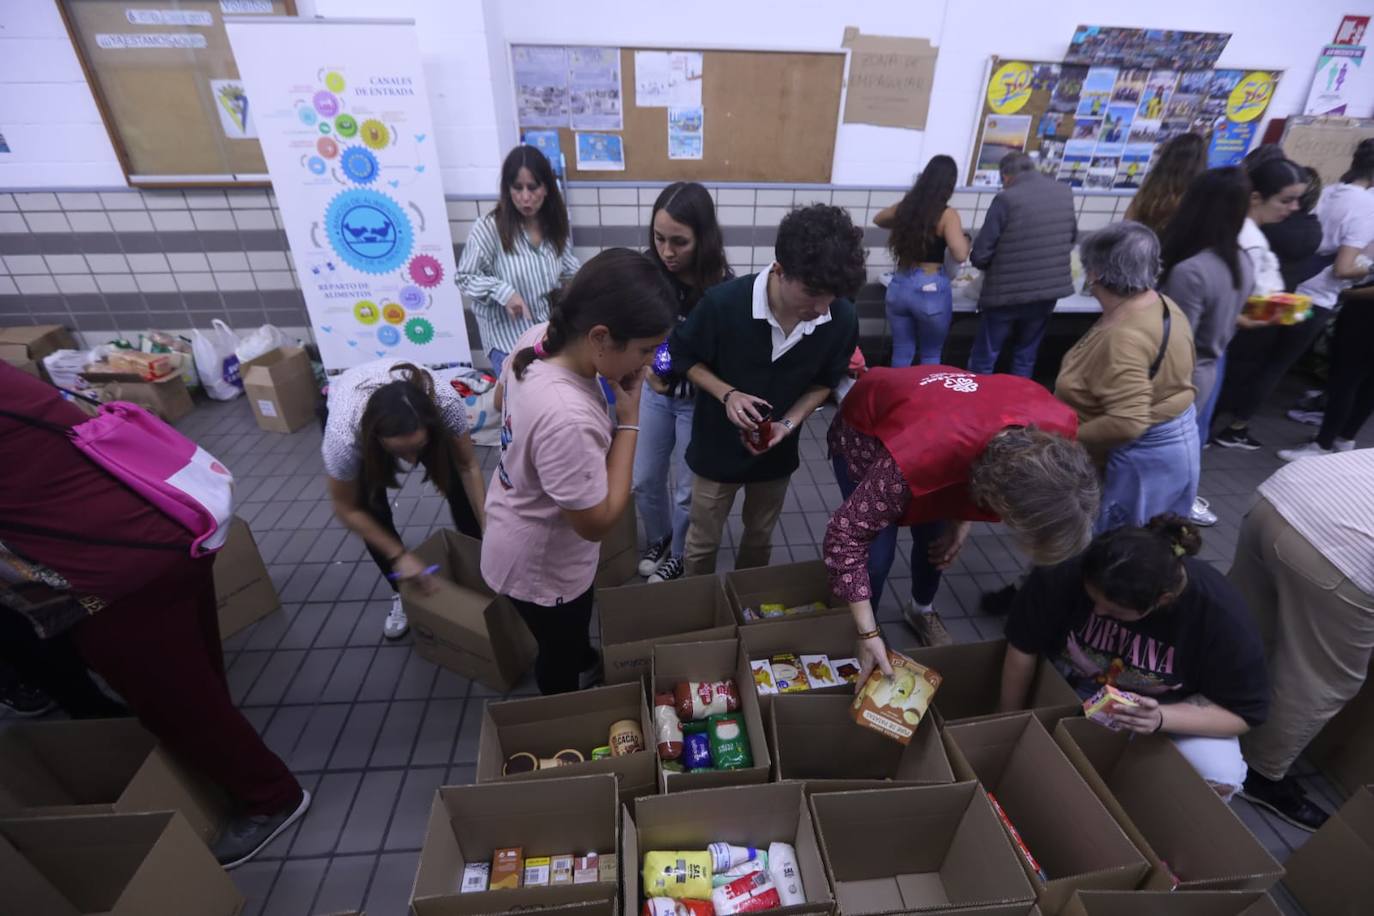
<point>679,875</point>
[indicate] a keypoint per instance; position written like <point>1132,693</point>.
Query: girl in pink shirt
<point>567,456</point>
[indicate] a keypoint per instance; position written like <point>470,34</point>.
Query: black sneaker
<point>246,836</point>
<point>1285,798</point>
<point>998,602</point>
<point>1233,437</point>
<point>652,557</point>
<point>668,570</point>
<point>26,701</point>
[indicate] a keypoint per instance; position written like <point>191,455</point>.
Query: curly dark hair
<point>918,215</point>
<point>1135,567</point>
<point>820,246</point>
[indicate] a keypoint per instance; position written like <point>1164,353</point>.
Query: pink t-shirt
<point>556,429</point>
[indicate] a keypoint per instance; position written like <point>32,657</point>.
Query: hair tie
<point>539,350</point>
<point>1179,551</point>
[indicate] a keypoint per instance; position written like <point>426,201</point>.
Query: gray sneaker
<point>930,629</point>
<point>246,836</point>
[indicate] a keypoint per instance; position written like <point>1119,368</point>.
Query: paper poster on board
<point>344,122</point>
<point>1149,48</point>
<point>600,153</point>
<point>1338,70</point>
<point>685,133</point>
<point>547,142</point>
<point>541,85</point>
<point>594,89</point>
<point>1002,134</point>
<point>668,79</point>
<point>231,104</point>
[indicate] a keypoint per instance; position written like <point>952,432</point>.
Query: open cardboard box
<point>1167,810</point>
<point>166,397</point>
<point>812,738</point>
<point>465,626</point>
<point>111,865</point>
<point>619,559</point>
<point>1344,748</point>
<point>832,635</point>
<point>547,817</point>
<point>715,660</point>
<point>100,766</point>
<point>635,618</point>
<point>1162,903</point>
<point>281,389</point>
<point>790,584</point>
<point>1332,874</point>
<point>740,815</point>
<point>919,849</point>
<point>244,593</point>
<point>972,683</point>
<point>1063,823</point>
<point>581,720</point>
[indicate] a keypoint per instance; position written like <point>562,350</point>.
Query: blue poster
<point>1230,141</point>
<point>546,141</point>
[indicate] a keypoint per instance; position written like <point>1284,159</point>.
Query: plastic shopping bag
<point>263,340</point>
<point>216,361</point>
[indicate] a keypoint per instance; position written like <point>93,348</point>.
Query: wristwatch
<point>786,424</point>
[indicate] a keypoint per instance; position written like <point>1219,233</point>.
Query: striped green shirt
<point>489,275</point>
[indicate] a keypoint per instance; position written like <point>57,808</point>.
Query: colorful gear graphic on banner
<point>327,147</point>
<point>369,231</point>
<point>365,311</point>
<point>426,271</point>
<point>359,165</point>
<point>419,331</point>
<point>375,134</point>
<point>346,126</point>
<point>393,313</point>
<point>412,297</point>
<point>388,336</point>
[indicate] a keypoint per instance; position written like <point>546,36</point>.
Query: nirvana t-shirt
<point>1205,642</point>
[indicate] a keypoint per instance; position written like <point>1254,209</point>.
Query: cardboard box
<point>544,817</point>
<point>635,618</point>
<point>1167,810</point>
<point>167,397</point>
<point>812,738</point>
<point>244,593</point>
<point>833,635</point>
<point>791,585</point>
<point>973,682</point>
<point>1344,748</point>
<point>741,815</point>
<point>111,865</point>
<point>1162,903</point>
<point>281,389</point>
<point>100,766</point>
<point>1063,823</point>
<point>30,343</point>
<point>619,561</point>
<point>465,626</point>
<point>919,849</point>
<point>1332,874</point>
<point>582,720</point>
<point>716,660</point>
<point>29,367</point>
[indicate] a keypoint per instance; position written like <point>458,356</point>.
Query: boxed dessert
<point>894,705</point>
<point>1279,308</point>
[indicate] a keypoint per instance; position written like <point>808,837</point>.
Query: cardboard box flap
<point>1333,872</point>
<point>26,886</point>
<point>789,584</point>
<point>1164,903</point>
<point>814,738</point>
<point>180,865</point>
<point>574,900</point>
<point>973,676</point>
<point>275,365</point>
<point>635,612</point>
<point>60,764</point>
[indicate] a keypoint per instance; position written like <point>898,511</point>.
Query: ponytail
<point>1136,567</point>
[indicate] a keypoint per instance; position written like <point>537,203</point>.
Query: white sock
<point>923,608</point>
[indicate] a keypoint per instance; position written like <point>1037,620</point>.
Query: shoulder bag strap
<point>1163,344</point>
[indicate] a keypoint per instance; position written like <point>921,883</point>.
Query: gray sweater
<point>1202,288</point>
<point>1024,245</point>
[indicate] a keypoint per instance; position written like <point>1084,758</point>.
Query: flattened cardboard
<point>833,635</point>
<point>30,343</point>
<point>790,584</point>
<point>111,865</point>
<point>715,660</point>
<point>244,593</point>
<point>635,618</point>
<point>973,681</point>
<point>1344,748</point>
<point>1063,823</point>
<point>465,626</point>
<point>1167,810</point>
<point>167,397</point>
<point>919,848</point>
<point>582,720</point>
<point>281,389</point>
<point>1332,874</point>
<point>547,817</point>
<point>1163,903</point>
<point>100,766</point>
<point>812,738</point>
<point>741,815</point>
<point>619,559</point>
<point>461,906</point>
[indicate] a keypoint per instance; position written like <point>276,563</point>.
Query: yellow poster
<point>1250,97</point>
<point>1010,87</point>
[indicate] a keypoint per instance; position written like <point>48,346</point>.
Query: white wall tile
<point>94,221</point>
<point>66,263</point>
<point>585,254</point>
<point>274,279</point>
<point>116,283</point>
<point>47,222</point>
<point>131,222</point>
<point>172,221</point>
<point>735,197</point>
<point>156,283</point>
<point>154,262</point>
<point>771,197</point>
<point>769,216</point>
<point>36,285</point>
<point>13,223</point>
<point>207,200</point>
<point>580,197</point>
<point>37,201</point>
<point>850,199</point>
<point>461,209</point>
<point>880,199</point>
<point>267,260</point>
<point>74,201</point>
<point>121,200</point>
<point>7,204</point>
<point>739,254</point>
<point>1099,204</point>
<point>26,264</point>
<point>187,261</point>
<point>7,287</point>
<point>228,261</point>
<point>620,216</point>
<point>195,282</point>
<point>806,196</point>
<point>963,199</point>
<point>76,284</point>
<point>618,197</point>
<point>248,199</point>
<point>647,196</point>
<point>1090,222</point>
<point>164,200</point>
<point>216,220</point>
<point>580,215</point>
<point>107,263</point>
<point>763,255</point>
<point>254,219</point>
<point>235,280</point>
<point>735,216</point>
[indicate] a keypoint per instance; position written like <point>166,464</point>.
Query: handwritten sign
<point>890,80</point>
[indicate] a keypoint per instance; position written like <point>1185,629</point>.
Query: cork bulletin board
<point>1325,144</point>
<point>164,78</point>
<point>768,116</point>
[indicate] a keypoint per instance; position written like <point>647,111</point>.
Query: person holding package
<point>384,417</point>
<point>566,459</point>
<point>1130,380</point>
<point>935,449</point>
<point>1305,564</point>
<point>764,351</point>
<point>517,254</point>
<point>107,569</point>
<point>1137,612</point>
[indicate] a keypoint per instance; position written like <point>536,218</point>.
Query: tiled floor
<point>372,729</point>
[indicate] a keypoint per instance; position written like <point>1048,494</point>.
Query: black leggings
<point>1259,358</point>
<point>376,504</point>
<point>52,665</point>
<point>1350,386</point>
<point>565,648</point>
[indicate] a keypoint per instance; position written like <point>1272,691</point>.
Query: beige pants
<point>1318,632</point>
<point>711,505</point>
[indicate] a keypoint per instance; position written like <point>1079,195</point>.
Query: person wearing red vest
<point>934,449</point>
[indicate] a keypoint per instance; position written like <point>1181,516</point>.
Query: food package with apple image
<point>894,706</point>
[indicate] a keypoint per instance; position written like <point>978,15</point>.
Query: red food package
<point>748,894</point>
<point>662,906</point>
<point>1016,838</point>
<point>667,728</point>
<point>699,699</point>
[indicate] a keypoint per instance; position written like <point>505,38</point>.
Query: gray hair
<point>1124,257</point>
<point>1015,163</point>
<point>1043,486</point>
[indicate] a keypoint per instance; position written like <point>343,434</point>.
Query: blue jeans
<point>1156,473</point>
<point>925,578</point>
<point>1208,410</point>
<point>498,359</point>
<point>665,428</point>
<point>1020,327</point>
<point>920,307</point>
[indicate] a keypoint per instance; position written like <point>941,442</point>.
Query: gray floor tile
<point>284,731</point>
<point>244,672</point>
<point>254,881</point>
<point>271,685</point>
<point>339,624</point>
<point>305,624</point>
<point>368,821</point>
<point>385,668</point>
<point>320,830</point>
<point>397,737</point>
<point>294,892</point>
<point>468,734</point>
<point>345,884</point>
<point>391,884</point>
<point>438,732</point>
<point>359,736</point>
<point>408,821</point>
<point>348,675</point>
<point>314,673</point>
<point>317,741</point>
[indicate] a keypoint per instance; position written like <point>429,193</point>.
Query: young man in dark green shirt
<point>765,346</point>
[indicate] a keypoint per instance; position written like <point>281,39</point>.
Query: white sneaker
<point>1202,513</point>
<point>1310,417</point>
<point>652,557</point>
<point>1343,445</point>
<point>396,622</point>
<point>1310,450</point>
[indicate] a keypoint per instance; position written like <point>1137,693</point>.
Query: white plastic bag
<point>216,361</point>
<point>263,340</point>
<point>64,368</point>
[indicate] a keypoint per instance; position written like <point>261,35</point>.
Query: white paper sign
<point>127,40</point>
<point>169,17</point>
<point>668,79</point>
<point>231,7</point>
